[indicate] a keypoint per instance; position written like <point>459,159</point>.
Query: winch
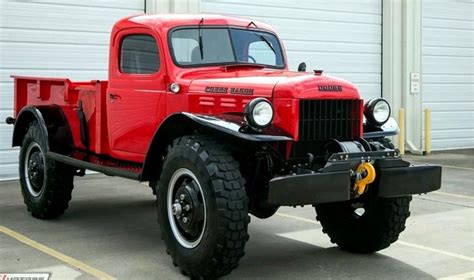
<point>362,171</point>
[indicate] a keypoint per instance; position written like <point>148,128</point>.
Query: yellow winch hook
<point>361,183</point>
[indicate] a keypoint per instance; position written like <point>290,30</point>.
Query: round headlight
<point>259,113</point>
<point>377,111</point>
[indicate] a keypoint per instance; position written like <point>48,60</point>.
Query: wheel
<point>365,225</point>
<point>202,207</point>
<point>46,185</point>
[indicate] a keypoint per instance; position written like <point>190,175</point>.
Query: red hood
<point>272,83</point>
<point>258,83</point>
<point>311,86</point>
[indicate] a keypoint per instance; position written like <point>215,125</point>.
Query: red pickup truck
<point>205,109</point>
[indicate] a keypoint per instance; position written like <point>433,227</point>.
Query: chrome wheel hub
<point>176,209</point>
<point>186,208</point>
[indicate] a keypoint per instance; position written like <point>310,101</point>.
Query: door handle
<point>113,96</point>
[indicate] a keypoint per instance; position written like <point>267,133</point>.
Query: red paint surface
<point>123,128</point>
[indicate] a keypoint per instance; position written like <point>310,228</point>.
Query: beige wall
<point>401,57</point>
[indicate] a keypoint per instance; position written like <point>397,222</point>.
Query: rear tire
<point>200,174</point>
<point>46,185</point>
<point>364,231</point>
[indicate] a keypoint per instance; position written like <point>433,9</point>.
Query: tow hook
<point>365,174</point>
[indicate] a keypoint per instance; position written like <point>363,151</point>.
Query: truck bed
<point>70,97</point>
<point>82,106</point>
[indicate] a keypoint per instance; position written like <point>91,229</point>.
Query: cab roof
<point>167,21</point>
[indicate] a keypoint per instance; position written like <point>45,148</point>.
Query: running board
<point>106,166</point>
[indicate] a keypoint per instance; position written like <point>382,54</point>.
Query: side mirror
<point>302,67</point>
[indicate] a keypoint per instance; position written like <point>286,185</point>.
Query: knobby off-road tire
<point>46,185</point>
<point>201,172</point>
<point>380,224</point>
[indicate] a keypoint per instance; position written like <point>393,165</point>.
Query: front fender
<point>184,123</point>
<point>390,128</point>
<point>233,125</point>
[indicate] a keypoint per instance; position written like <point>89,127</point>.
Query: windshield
<point>224,46</point>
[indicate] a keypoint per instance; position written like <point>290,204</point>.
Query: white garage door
<point>58,38</point>
<point>448,71</point>
<point>342,37</point>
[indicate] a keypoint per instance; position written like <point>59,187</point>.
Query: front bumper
<point>394,178</point>
<point>401,181</point>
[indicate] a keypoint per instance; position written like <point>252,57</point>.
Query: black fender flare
<point>22,122</point>
<point>390,128</point>
<point>180,124</point>
<point>53,125</point>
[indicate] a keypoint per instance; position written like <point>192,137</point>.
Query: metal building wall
<point>57,38</point>
<point>448,71</point>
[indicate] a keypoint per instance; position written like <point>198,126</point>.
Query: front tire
<point>365,225</point>
<point>202,207</point>
<point>46,185</point>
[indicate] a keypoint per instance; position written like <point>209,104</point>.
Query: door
<point>135,93</point>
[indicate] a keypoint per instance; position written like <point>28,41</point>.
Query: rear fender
<point>181,124</point>
<point>53,125</point>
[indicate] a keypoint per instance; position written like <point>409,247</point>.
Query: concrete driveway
<point>110,231</point>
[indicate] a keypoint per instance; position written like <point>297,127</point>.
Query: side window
<point>139,55</point>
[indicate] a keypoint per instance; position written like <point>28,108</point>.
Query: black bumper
<point>401,181</point>
<point>394,178</point>
<point>310,188</point>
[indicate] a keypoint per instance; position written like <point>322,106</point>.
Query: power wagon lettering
<point>216,89</point>
<point>233,90</point>
<point>248,91</point>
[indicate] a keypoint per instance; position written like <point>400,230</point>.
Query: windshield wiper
<point>261,37</point>
<point>200,38</point>
<point>267,42</point>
